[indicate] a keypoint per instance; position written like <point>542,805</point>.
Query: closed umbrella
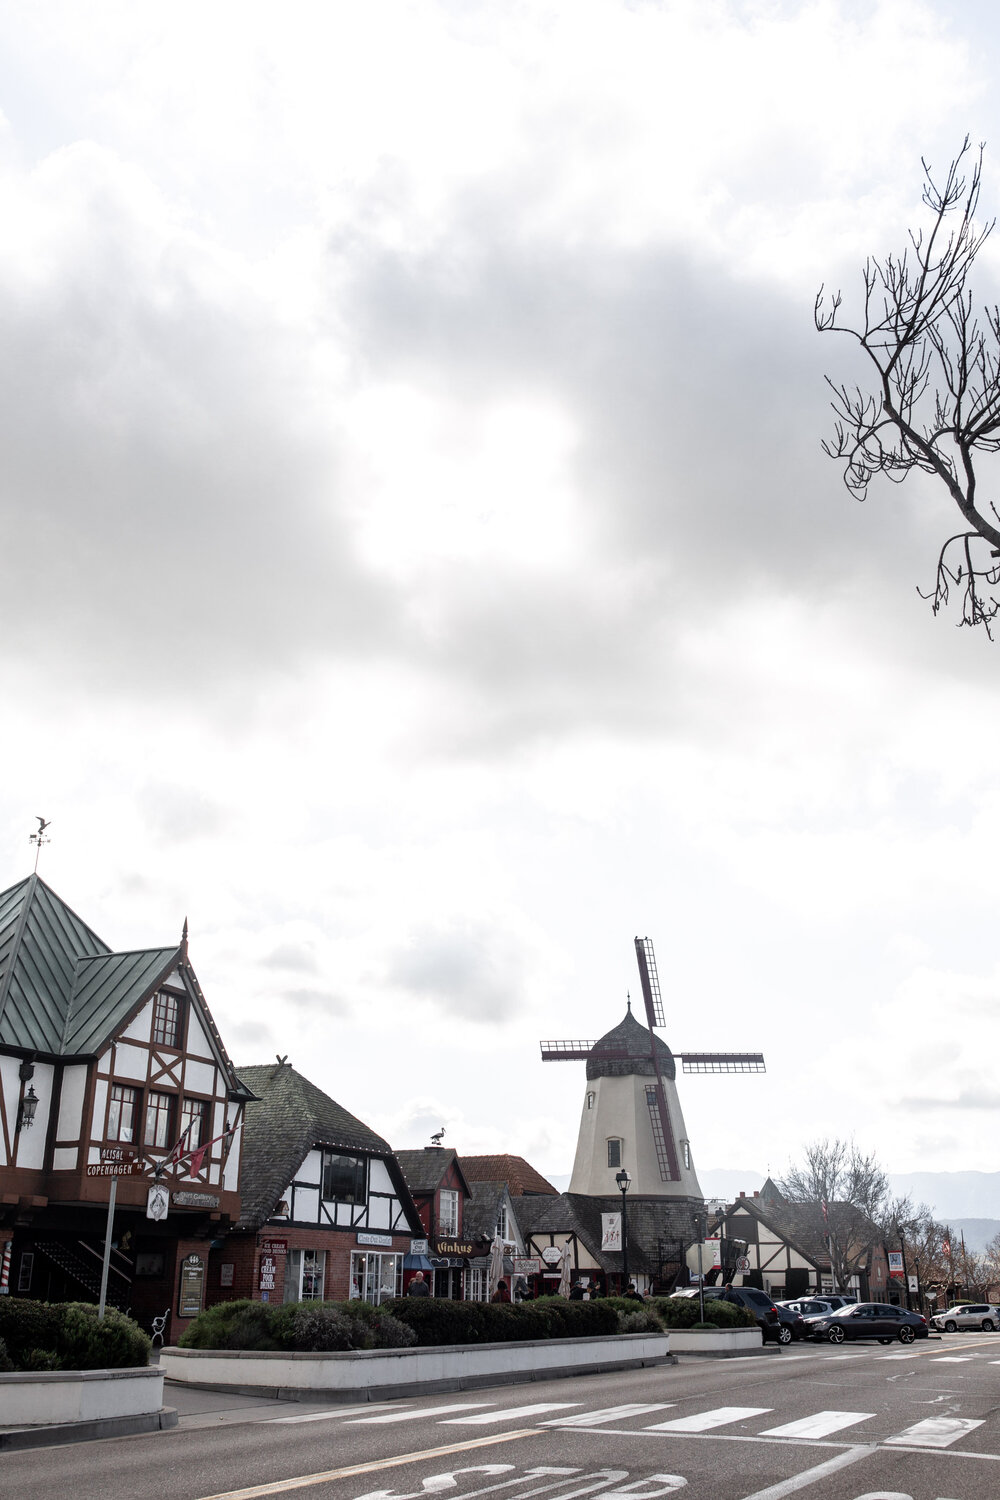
<point>565,1269</point>
<point>496,1263</point>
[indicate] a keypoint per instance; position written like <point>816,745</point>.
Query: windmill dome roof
<point>630,1041</point>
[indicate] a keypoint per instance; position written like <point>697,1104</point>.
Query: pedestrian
<point>576,1292</point>
<point>502,1294</point>
<point>418,1287</point>
<point>634,1293</point>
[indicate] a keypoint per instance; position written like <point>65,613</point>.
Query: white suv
<point>968,1315</point>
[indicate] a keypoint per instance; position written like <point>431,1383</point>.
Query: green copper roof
<point>62,990</point>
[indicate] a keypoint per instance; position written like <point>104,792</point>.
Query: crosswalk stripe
<point>898,1356</point>
<point>512,1413</point>
<point>427,1411</point>
<point>820,1424</point>
<point>609,1414</point>
<point>950,1359</point>
<point>934,1432</point>
<point>702,1421</point>
<point>334,1411</point>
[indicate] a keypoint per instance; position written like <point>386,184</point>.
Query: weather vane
<point>38,838</point>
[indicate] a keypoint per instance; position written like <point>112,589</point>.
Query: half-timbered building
<point>113,1080</point>
<point>326,1211</point>
<point>440,1189</point>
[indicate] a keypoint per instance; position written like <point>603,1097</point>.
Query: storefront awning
<point>417,1263</point>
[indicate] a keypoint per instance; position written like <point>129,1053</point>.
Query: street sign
<point>743,1264</point>
<point>116,1161</point>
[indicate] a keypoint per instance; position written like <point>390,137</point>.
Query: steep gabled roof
<point>425,1170</point>
<point>656,1226</point>
<point>62,990</point>
<point>288,1118</point>
<point>482,1210</point>
<point>519,1175</point>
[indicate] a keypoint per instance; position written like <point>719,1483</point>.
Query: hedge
<point>68,1336</point>
<point>685,1312</point>
<point>404,1322</point>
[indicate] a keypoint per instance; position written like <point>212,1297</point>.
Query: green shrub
<point>85,1343</point>
<point>241,1325</point>
<point>704,1325</point>
<point>26,1325</point>
<point>685,1312</point>
<point>392,1333</point>
<point>319,1327</point>
<point>6,1363</point>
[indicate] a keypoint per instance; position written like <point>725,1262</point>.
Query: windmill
<point>623,1054</point>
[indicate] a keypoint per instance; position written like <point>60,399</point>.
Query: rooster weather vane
<point>38,838</point>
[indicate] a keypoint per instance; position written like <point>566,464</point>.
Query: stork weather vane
<point>38,838</point>
<point>664,1136</point>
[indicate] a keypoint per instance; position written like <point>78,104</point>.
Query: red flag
<point>195,1160</point>
<point>826,1216</point>
<point>946,1247</point>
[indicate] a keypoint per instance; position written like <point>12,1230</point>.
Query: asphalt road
<point>861,1422</point>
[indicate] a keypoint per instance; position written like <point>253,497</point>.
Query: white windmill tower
<point>631,1114</point>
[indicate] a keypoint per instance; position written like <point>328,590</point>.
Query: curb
<point>85,1432</point>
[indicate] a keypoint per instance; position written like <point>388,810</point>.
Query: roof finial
<point>184,939</point>
<point>38,838</point>
<point>628,1000</point>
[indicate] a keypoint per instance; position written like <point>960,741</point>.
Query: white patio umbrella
<point>496,1263</point>
<point>565,1270</point>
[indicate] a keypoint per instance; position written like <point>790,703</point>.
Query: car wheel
<point>906,1334</point>
<point>835,1334</point>
<point>988,1325</point>
<point>951,1326</point>
<point>784,1334</point>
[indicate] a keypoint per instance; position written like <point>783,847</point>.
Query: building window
<point>122,1113</point>
<point>24,1271</point>
<point>591,1096</point>
<point>304,1274</point>
<point>448,1211</point>
<point>343,1178</point>
<point>194,1117</point>
<point>159,1108</point>
<point>167,1020</point>
<point>375,1278</point>
<point>614,1153</point>
<point>503,1223</point>
<point>479,1285</point>
<point>686,1153</point>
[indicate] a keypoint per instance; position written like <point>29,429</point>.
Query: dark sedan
<point>869,1320</point>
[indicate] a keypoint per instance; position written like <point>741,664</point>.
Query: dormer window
<point>448,1211</point>
<point>167,1020</point>
<point>343,1178</point>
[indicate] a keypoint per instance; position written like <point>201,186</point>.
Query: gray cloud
<point>472,972</point>
<point>972,1098</point>
<point>296,956</point>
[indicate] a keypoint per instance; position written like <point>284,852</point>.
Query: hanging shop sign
<point>192,1288</point>
<point>451,1247</point>
<point>552,1255</point>
<point>527,1265</point>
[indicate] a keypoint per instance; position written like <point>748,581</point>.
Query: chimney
<point>742,1195</point>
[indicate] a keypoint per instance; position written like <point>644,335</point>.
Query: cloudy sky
<point>419,566</point>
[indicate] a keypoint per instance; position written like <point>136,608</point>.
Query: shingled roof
<point>519,1175</point>
<point>425,1169</point>
<point>288,1118</point>
<point>657,1227</point>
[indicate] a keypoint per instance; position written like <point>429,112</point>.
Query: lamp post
<point>624,1182</point>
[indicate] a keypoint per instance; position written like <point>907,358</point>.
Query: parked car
<point>808,1307</point>
<point>793,1325</point>
<point>756,1302</point>
<point>981,1315</point>
<point>869,1320</point>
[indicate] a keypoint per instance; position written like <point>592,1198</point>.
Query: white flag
<point>611,1231</point>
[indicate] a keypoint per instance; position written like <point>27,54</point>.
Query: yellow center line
<point>302,1481</point>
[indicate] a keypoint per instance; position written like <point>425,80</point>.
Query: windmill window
<point>614,1153</point>
<point>686,1153</point>
<point>167,1020</point>
<point>122,1112</point>
<point>591,1096</point>
<point>343,1178</point>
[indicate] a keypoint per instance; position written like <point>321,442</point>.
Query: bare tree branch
<point>935,406</point>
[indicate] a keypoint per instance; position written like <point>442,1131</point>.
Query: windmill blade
<point>576,1051</point>
<point>650,981</point>
<point>663,1132</point>
<point>721,1062</point>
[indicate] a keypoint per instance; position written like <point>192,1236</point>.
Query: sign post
<point>116,1161</point>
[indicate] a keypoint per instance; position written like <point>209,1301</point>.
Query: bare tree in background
<point>935,405</point>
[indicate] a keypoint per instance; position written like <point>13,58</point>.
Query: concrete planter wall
<point>715,1340</point>
<point>57,1397</point>
<point>387,1372</point>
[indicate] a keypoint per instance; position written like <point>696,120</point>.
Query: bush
<point>685,1312</point>
<point>319,1327</point>
<point>241,1325</point>
<point>68,1336</point>
<point>116,1343</point>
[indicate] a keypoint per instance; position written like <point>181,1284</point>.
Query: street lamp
<point>624,1182</point>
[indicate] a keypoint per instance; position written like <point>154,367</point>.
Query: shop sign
<point>192,1290</point>
<point>274,1247</point>
<point>375,1239</point>
<point>527,1265</point>
<point>116,1161</point>
<point>895,1263</point>
<point>195,1200</point>
<point>267,1272</point>
<point>552,1255</point>
<point>226,1271</point>
<point>452,1247</point>
<point>418,1247</point>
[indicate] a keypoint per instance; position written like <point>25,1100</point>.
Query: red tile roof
<point>518,1174</point>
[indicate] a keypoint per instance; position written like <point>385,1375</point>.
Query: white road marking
<point>427,1411</point>
<point>511,1414</point>
<point>304,1481</point>
<point>950,1359</point>
<point>609,1414</point>
<point>819,1425</point>
<point>899,1356</point>
<point>334,1411</point>
<point>703,1420</point>
<point>810,1476</point>
<point>933,1432</point>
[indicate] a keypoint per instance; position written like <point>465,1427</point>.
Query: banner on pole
<point>611,1231</point>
